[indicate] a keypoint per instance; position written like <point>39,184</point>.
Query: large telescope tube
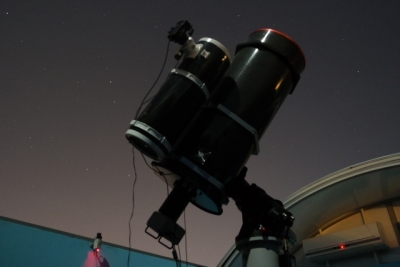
<point>186,89</point>
<point>225,132</point>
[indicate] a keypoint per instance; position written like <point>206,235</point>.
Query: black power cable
<point>176,258</point>
<point>133,205</point>
<point>184,222</point>
<point>133,152</point>
<point>154,84</point>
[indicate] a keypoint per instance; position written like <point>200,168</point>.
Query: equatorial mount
<point>206,121</point>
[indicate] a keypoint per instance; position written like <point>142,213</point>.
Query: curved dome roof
<point>343,193</point>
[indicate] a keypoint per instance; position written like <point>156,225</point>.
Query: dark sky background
<point>73,74</point>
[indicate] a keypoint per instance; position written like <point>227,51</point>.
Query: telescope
<point>204,124</point>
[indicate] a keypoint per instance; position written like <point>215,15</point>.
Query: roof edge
<point>341,175</point>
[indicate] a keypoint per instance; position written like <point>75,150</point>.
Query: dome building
<point>350,217</point>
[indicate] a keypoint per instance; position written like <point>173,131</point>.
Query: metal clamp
<point>244,124</point>
<point>160,148</point>
<point>206,176</point>
<point>194,79</point>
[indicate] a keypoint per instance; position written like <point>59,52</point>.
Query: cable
<point>175,256</point>
<point>155,170</point>
<point>165,178</point>
<point>148,100</point>
<point>184,223</point>
<point>133,152</point>
<point>176,64</point>
<point>179,253</point>
<point>148,165</point>
<point>133,205</point>
<point>151,88</point>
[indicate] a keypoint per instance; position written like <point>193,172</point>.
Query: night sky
<point>73,74</point>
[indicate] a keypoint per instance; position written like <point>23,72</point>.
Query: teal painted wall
<point>25,245</point>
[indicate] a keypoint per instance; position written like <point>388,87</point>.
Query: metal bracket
<point>202,173</point>
<point>205,175</point>
<point>159,237</point>
<point>244,124</point>
<point>194,79</point>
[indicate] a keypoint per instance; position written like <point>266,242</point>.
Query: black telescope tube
<point>175,203</point>
<point>230,124</point>
<point>186,89</point>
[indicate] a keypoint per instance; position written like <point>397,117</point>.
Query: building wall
<point>25,245</point>
<point>387,214</point>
